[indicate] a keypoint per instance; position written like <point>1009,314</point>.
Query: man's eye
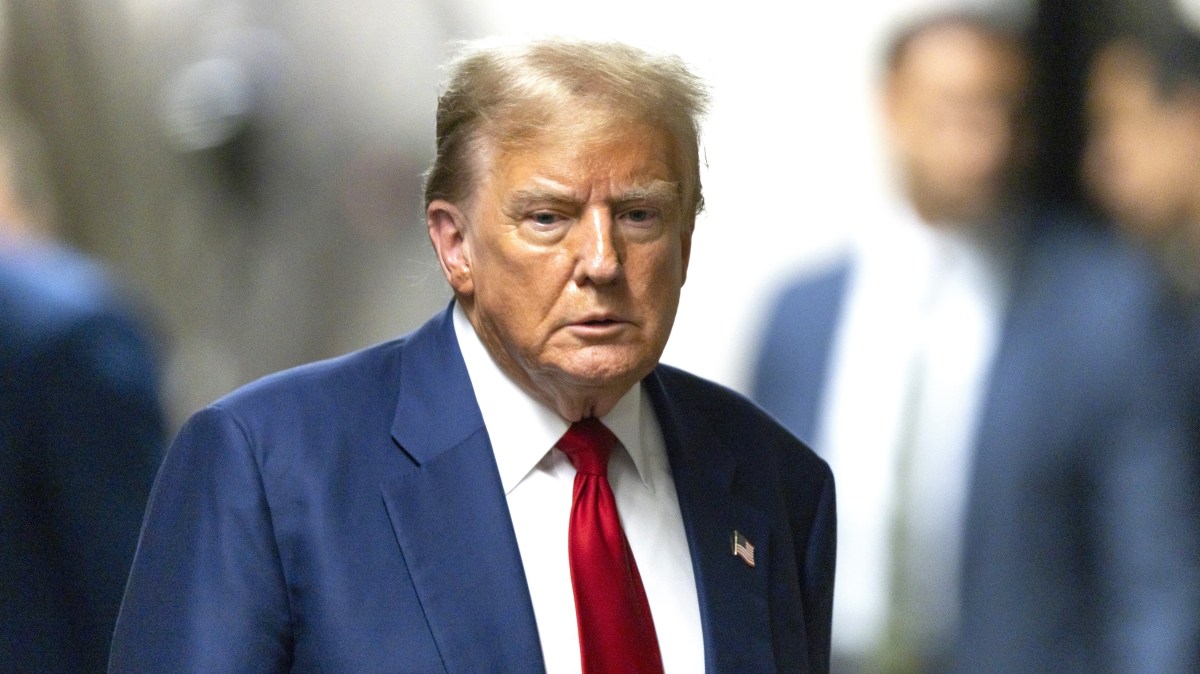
<point>640,215</point>
<point>545,218</point>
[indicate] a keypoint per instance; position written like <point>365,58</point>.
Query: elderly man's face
<point>575,251</point>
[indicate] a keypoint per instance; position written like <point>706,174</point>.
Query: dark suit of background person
<point>1079,527</point>
<point>81,437</point>
<point>349,516</point>
<point>81,432</point>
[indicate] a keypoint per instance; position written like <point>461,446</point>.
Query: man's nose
<point>598,257</point>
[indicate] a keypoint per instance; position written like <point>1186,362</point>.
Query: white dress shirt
<point>910,363</point>
<point>538,482</point>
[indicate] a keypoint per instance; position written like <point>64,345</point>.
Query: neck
<point>576,407</point>
<point>572,399</point>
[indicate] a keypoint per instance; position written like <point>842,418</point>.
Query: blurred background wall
<point>252,169</point>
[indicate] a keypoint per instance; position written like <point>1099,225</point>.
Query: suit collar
<point>435,409</point>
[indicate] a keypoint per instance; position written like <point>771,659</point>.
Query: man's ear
<point>685,248</point>
<point>448,232</point>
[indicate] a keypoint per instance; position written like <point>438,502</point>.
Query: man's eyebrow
<point>657,191</point>
<point>530,195</point>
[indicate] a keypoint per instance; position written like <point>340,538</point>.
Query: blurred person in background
<point>415,506</point>
<point>81,433</point>
<point>1142,164</point>
<point>985,378</point>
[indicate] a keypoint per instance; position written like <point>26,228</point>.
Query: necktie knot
<point>587,444</point>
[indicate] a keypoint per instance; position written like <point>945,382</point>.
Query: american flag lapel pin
<point>743,548</point>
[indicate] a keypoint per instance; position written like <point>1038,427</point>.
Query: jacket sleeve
<point>207,591</point>
<point>820,558</point>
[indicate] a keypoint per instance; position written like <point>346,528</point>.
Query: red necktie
<point>616,632</point>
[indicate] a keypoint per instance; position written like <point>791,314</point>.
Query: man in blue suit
<point>81,436</point>
<point>990,386</point>
<point>81,431</point>
<point>411,508</point>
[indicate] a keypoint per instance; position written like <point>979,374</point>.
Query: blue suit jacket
<point>1081,524</point>
<point>348,516</point>
<point>81,436</point>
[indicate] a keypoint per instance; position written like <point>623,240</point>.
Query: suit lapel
<point>814,324</point>
<point>734,609</point>
<point>451,518</point>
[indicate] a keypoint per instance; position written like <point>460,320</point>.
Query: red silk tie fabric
<point>616,631</point>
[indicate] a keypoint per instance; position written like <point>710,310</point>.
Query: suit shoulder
<point>46,292</point>
<point>804,311</point>
<point>1095,285</point>
<point>1094,260</point>
<point>698,391</point>
<point>334,383</point>
<point>732,415</point>
<point>66,321</point>
<point>827,280</point>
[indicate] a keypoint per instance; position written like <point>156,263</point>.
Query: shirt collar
<point>521,429</point>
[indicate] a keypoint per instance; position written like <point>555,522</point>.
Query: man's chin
<point>605,368</point>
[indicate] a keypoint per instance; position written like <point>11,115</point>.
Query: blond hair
<point>503,94</point>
